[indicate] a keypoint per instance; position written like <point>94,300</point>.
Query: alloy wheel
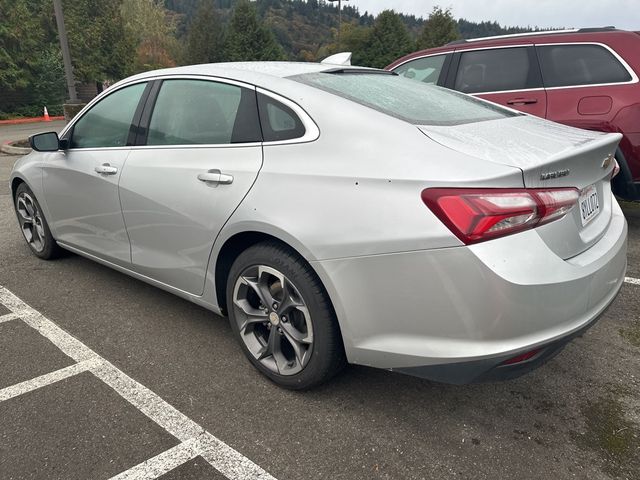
<point>31,223</point>
<point>273,320</point>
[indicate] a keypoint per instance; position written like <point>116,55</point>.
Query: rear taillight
<point>478,214</point>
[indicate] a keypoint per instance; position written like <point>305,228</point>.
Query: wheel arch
<point>623,184</point>
<point>237,242</point>
<point>234,244</point>
<point>15,183</point>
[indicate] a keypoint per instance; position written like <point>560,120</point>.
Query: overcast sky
<point>542,13</point>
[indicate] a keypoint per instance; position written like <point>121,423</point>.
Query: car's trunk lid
<point>549,155</point>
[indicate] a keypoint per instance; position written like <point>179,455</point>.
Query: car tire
<point>33,225</point>
<point>294,341</point>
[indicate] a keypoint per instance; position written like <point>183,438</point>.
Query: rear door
<point>508,76</point>
<point>200,152</point>
<point>586,83</point>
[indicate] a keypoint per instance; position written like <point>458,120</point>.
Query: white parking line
<point>43,380</point>
<point>634,281</point>
<point>194,439</point>
<point>163,463</point>
<point>7,317</point>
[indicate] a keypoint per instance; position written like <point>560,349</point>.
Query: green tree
<point>439,29</point>
<point>48,86</point>
<point>388,40</point>
<point>151,31</point>
<point>100,49</point>
<point>248,38</point>
<point>354,38</point>
<point>20,40</point>
<point>30,64</point>
<point>205,38</point>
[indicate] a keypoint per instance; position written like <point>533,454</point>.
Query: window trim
<point>147,114</point>
<point>133,126</point>
<point>533,61</point>
<point>444,71</point>
<point>634,77</point>
<point>312,131</point>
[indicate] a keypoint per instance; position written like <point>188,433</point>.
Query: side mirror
<point>45,142</point>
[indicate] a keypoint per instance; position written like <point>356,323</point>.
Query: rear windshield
<point>414,102</point>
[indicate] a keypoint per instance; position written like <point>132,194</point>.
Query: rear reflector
<point>616,169</point>
<point>521,358</point>
<point>479,214</point>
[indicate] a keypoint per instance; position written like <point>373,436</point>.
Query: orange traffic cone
<point>46,115</point>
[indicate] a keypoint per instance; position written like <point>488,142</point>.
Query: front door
<point>81,182</point>
<point>201,155</point>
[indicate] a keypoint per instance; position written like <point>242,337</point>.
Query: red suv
<point>586,78</point>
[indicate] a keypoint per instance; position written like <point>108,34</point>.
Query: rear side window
<point>425,69</point>
<point>495,70</point>
<point>279,122</point>
<point>570,65</point>
<point>201,112</point>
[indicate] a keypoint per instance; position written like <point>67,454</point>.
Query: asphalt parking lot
<point>102,375</point>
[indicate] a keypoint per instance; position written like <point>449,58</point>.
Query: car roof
<point>255,73</point>
<point>536,35</point>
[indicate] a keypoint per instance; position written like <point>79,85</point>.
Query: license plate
<point>589,204</point>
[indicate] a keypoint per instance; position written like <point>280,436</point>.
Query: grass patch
<point>613,436</point>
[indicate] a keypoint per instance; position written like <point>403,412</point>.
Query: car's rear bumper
<point>494,368</point>
<point>456,314</point>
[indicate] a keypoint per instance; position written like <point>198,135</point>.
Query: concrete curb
<point>9,149</point>
<point>17,121</point>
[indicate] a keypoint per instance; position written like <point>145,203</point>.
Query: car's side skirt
<point>176,291</point>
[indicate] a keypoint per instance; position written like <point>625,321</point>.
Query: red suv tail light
<point>478,214</point>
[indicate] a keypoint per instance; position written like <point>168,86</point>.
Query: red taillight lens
<point>478,214</point>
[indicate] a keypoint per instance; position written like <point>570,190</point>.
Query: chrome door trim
<point>450,52</point>
<point>634,77</point>
<point>630,71</point>
<point>312,132</point>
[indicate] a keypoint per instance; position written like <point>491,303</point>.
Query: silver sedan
<point>338,215</point>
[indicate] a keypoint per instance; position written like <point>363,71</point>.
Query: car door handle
<point>215,176</point>
<point>106,169</point>
<point>522,101</point>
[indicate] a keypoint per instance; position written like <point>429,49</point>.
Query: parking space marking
<point>43,380</point>
<point>633,281</point>
<point>8,316</point>
<point>162,463</point>
<point>195,440</point>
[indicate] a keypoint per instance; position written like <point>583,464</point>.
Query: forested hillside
<point>307,30</point>
<point>110,39</point>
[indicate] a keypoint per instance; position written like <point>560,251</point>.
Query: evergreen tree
<point>248,38</point>
<point>205,38</point>
<point>100,49</point>
<point>152,31</point>
<point>388,40</point>
<point>439,29</point>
